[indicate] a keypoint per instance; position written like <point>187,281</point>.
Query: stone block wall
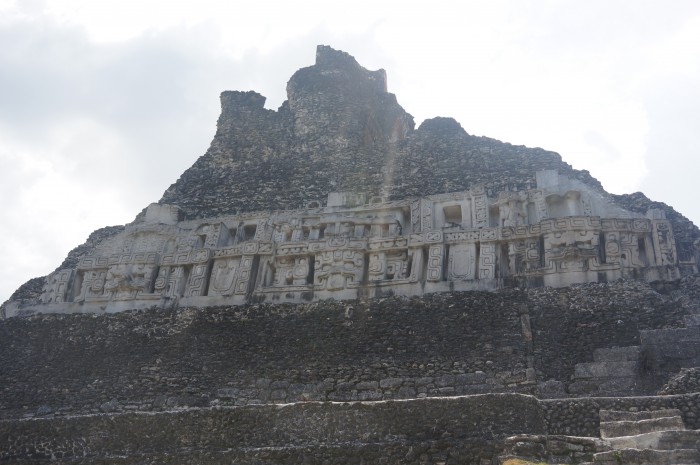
<point>456,430</point>
<point>394,348</point>
<point>581,417</point>
<point>156,360</point>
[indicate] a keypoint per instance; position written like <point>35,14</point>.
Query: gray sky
<point>103,104</point>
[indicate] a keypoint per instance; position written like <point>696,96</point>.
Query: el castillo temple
<point>329,284</point>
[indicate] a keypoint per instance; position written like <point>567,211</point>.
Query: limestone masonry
<point>328,284</point>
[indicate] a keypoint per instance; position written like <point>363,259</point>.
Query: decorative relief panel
<point>197,283</point>
<point>93,262</point>
<point>390,265</point>
<point>538,199</point>
<point>93,285</point>
<point>388,243</point>
<point>512,209</point>
<point>435,260</point>
<point>571,250</point>
<point>245,274</point>
<point>339,269</point>
<point>171,281</point>
<point>375,245</point>
<point>524,256</point>
<point>461,265</point>
<point>261,231</point>
<point>56,287</point>
<point>292,271</point>
<point>223,276</point>
<point>426,209</point>
<point>487,261</point>
<point>127,281</point>
<point>460,236</point>
<point>480,208</point>
<point>415,216</point>
<point>664,243</point>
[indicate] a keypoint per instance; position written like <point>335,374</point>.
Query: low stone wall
<point>452,430</point>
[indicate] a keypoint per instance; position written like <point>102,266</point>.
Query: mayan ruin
<point>329,284</point>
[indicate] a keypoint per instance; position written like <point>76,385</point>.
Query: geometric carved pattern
<point>56,286</point>
<point>426,214</point>
<point>435,260</point>
<point>390,265</point>
<point>197,283</point>
<point>532,234</point>
<point>481,211</point>
<point>487,261</point>
<point>244,274</point>
<point>93,285</point>
<point>415,216</point>
<point>664,243</point>
<point>339,269</point>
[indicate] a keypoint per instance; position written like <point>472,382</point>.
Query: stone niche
<point>560,233</point>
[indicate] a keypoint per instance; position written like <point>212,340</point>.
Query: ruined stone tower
<point>331,251</point>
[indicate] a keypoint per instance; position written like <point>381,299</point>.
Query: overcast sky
<point>103,104</point>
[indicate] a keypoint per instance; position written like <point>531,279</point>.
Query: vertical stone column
<point>480,208</point>
<point>487,260</point>
<point>198,282</point>
<point>436,254</point>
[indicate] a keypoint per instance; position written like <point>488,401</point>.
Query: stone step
<point>538,448</point>
<point>606,369</point>
<point>614,429</point>
<point>604,387</point>
<point>692,320</point>
<point>622,415</point>
<point>656,336</point>
<point>648,457</point>
<point>617,354</point>
<point>658,440</point>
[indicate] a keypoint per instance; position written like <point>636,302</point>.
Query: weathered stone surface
<point>440,344</point>
<point>457,430</point>
<point>686,381</point>
<point>606,369</point>
<point>609,429</point>
<point>558,234</point>
<point>617,354</point>
<point>615,415</point>
<point>336,196</point>
<point>551,448</point>
<point>648,457</point>
<point>659,440</point>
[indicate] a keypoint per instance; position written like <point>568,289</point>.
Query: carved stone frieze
<point>464,240</point>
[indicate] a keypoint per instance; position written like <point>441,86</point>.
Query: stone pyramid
<point>329,284</point>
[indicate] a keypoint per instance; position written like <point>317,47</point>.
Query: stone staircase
<point>654,437</point>
<point>617,371</point>
<point>647,438</point>
<point>614,372</point>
